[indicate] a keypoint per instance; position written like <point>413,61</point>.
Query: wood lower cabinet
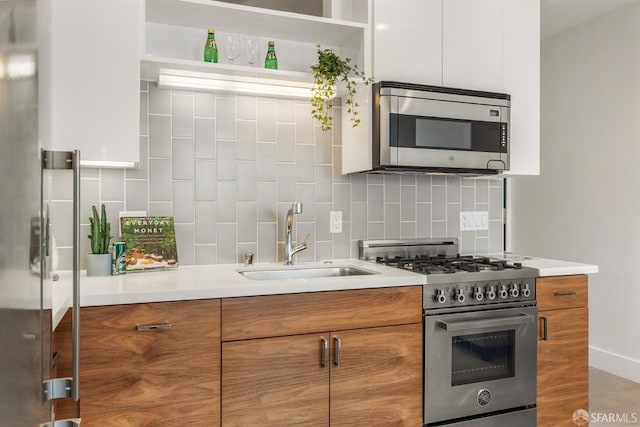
<point>136,370</point>
<point>563,358</point>
<point>339,376</point>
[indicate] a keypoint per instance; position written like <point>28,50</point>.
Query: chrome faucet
<point>289,249</point>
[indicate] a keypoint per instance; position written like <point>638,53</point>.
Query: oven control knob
<point>524,289</point>
<point>440,297</point>
<point>459,295</point>
<point>477,294</point>
<point>514,291</point>
<point>491,293</point>
<point>502,291</point>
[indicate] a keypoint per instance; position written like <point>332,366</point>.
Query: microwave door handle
<point>471,324</point>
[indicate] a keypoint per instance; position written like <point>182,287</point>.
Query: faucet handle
<point>306,239</point>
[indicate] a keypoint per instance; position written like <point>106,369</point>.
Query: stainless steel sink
<point>303,273</point>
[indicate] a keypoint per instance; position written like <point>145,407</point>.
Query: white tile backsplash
<point>228,167</point>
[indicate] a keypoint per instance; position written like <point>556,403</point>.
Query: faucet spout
<point>289,249</point>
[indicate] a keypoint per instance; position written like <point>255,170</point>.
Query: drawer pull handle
<point>544,328</point>
<point>324,352</point>
<point>338,360</point>
<point>564,294</point>
<point>147,328</point>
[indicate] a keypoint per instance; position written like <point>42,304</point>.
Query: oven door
<point>443,134</point>
<point>479,362</point>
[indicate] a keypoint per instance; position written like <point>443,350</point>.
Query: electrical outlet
<point>474,220</point>
<point>335,222</point>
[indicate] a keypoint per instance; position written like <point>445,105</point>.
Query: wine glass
<point>231,46</point>
<point>251,49</point>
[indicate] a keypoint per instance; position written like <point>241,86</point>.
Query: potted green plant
<point>327,73</point>
<point>99,260</point>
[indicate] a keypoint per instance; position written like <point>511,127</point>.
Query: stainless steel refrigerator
<point>26,386</point>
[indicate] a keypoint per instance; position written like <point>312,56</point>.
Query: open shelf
<point>175,32</point>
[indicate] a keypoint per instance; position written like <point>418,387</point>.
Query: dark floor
<point>610,394</point>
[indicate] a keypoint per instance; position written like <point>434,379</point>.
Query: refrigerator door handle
<point>75,385</point>
<point>69,387</point>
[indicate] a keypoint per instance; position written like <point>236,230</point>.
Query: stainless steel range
<point>480,339</point>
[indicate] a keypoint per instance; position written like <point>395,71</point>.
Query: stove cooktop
<point>440,261</point>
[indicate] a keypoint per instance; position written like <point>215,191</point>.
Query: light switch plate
<point>335,222</point>
<point>474,220</point>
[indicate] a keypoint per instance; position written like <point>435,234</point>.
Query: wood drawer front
<point>163,377</point>
<point>293,314</point>
<point>561,292</point>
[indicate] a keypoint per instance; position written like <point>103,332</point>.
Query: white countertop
<point>550,267</point>
<point>217,281</point>
<point>224,281</point>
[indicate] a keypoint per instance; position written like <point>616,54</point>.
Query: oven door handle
<point>470,324</point>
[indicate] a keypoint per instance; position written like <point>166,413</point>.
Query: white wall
<point>585,205</point>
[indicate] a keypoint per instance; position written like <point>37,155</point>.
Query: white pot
<point>99,264</point>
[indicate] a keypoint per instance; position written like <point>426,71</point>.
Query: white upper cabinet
<point>407,35</point>
<point>90,79</point>
<point>522,81</point>
<point>487,45</point>
<point>472,55</point>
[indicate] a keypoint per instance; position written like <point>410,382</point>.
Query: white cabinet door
<point>522,81</point>
<point>91,79</point>
<point>472,47</point>
<point>407,40</point>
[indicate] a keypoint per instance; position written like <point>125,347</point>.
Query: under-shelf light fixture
<point>181,79</point>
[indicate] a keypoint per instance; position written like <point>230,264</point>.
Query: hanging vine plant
<point>330,70</point>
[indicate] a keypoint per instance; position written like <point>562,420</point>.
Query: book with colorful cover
<point>150,242</point>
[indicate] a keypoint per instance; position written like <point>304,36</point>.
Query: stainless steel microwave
<point>419,128</point>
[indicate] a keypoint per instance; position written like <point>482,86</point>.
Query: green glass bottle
<point>271,61</point>
<point>210,48</point>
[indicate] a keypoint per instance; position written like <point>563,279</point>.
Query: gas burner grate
<point>442,264</point>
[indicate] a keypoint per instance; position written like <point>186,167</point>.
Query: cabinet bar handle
<point>324,352</point>
<point>338,360</point>
<point>544,328</point>
<point>564,294</point>
<point>146,328</point>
